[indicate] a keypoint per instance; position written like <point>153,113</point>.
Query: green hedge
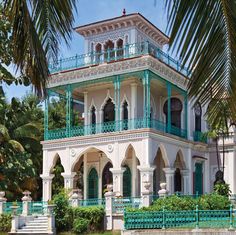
<point>178,203</point>
<point>5,223</point>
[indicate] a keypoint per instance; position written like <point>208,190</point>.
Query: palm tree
<point>37,28</point>
<point>203,33</point>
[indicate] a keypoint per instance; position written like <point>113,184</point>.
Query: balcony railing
<point>199,137</point>
<point>116,54</point>
<point>114,126</point>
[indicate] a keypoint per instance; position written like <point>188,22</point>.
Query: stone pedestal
<point>75,198</point>
<point>108,207</point>
<point>146,175</point>
<point>51,220</point>
<point>26,200</point>
<point>15,219</point>
<point>2,201</point>
<point>146,195</point>
<point>163,192</point>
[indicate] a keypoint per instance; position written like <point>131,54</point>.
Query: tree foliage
<point>203,32</point>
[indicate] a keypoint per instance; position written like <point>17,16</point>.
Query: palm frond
<point>203,33</point>
<point>29,130</point>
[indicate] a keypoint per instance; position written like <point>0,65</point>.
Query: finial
<point>124,12</point>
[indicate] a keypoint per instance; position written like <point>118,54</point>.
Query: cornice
<point>119,67</point>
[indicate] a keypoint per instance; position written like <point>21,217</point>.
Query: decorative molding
<point>119,67</point>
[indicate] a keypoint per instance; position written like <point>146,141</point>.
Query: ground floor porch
<point>126,161</point>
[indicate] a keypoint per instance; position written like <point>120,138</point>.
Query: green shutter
<point>198,179</point>
<point>93,184</point>
<point>127,183</point>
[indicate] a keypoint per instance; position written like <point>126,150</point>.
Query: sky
<point>95,10</point>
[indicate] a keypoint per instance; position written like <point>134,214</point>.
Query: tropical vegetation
<point>203,34</point>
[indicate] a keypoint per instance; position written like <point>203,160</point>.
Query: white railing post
<point>51,219</point>
<point>15,219</point>
<point>146,195</point>
<point>163,192</point>
<point>26,199</point>
<point>109,195</point>
<point>2,202</point>
<point>75,198</point>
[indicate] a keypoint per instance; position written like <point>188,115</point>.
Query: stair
<point>36,226</point>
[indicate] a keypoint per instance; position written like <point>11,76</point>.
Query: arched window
<point>98,50</point>
<point>125,115</point>
<point>109,111</point>
<point>106,177</point>
<point>120,51</point>
<point>176,109</point>
<point>93,120</point>
<point>127,184</point>
<point>177,180</point>
<point>109,53</point>
<point>93,184</point>
<point>198,116</point>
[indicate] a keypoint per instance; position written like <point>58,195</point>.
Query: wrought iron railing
<point>116,54</point>
<point>113,126</point>
<point>199,136</point>
<point>180,219</point>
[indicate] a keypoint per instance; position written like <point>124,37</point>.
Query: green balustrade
<point>116,54</point>
<point>108,127</point>
<point>37,207</point>
<point>199,136</point>
<point>93,202</point>
<point>8,209</point>
<point>180,219</point>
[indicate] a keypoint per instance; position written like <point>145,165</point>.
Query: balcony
<point>198,136</point>
<point>115,126</point>
<point>117,54</point>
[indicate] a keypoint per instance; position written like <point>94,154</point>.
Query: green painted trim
<point>169,107</point>
<point>186,114</point>
<point>68,109</point>
<point>46,102</point>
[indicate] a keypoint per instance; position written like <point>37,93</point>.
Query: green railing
<point>39,207</point>
<point>180,219</point>
<point>199,136</point>
<point>8,210</point>
<point>113,126</point>
<point>119,204</point>
<point>128,51</point>
<point>92,202</point>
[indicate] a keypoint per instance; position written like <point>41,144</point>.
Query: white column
<point>26,203</point>
<point>68,180</point>
<point>133,110</point>
<point>134,174</point>
<point>85,175</point>
<point>185,175</point>
<point>146,175</point>
<point>206,174</point>
<point>2,201</point>
<point>117,174</point>
<point>47,186</point>
<point>170,172</point>
<point>108,210</point>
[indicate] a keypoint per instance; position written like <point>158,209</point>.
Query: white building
<point>138,124</point>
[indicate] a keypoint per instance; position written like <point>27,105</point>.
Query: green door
<point>93,184</point>
<point>127,185</point>
<point>198,179</point>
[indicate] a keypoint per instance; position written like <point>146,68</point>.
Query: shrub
<point>214,201</point>
<point>222,189</point>
<point>94,214</point>
<point>5,223</point>
<point>80,225</point>
<point>62,212</point>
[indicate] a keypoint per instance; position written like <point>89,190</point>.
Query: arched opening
<point>106,177</point>
<point>158,174</point>
<point>109,53</point>
<point>131,175</point>
<point>93,184</point>
<point>78,179</point>
<point>109,116</point>
<point>198,117</point>
<point>93,120</point>
<point>58,180</point>
<point>120,50</point>
<point>176,109</point>
<point>127,185</point>
<point>98,50</point>
<point>125,115</point>
<point>178,165</point>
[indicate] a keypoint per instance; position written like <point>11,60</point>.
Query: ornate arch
<point>164,154</point>
<point>180,158</point>
<point>108,96</point>
<point>55,159</point>
<point>125,99</point>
